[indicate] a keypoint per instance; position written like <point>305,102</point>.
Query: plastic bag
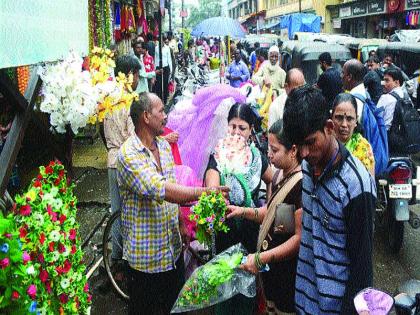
<point>218,280</point>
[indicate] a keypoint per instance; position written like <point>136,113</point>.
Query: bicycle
<point>120,286</point>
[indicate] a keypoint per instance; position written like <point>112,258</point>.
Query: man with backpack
<point>352,77</point>
<point>401,118</point>
<point>369,116</point>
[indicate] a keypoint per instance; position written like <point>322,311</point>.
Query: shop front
<point>376,18</point>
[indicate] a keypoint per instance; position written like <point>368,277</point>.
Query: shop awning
<point>272,25</point>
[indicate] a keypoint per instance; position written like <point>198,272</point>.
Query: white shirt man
<point>166,59</point>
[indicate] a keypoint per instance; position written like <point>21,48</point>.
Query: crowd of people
<point>314,227</point>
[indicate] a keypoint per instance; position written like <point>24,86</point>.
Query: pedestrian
<point>393,81</point>
<point>150,45</point>
<point>374,64</point>
<point>330,80</point>
<point>150,212</point>
<point>294,79</point>
<point>162,79</point>
<point>338,201</point>
<point>261,58</point>
<point>352,78</point>
<point>149,65</point>
<point>372,80</point>
<point>281,228</point>
<point>237,72</point>
<point>118,127</point>
<point>140,49</point>
<point>344,116</point>
<point>270,73</point>
<point>253,57</point>
<point>241,120</point>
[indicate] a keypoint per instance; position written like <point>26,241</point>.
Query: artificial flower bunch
<point>47,229</point>
<point>114,93</point>
<point>233,155</point>
<point>209,215</point>
<point>16,271</point>
<point>216,281</point>
<point>68,94</point>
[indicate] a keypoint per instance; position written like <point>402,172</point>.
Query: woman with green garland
<point>280,232</point>
<point>244,192</point>
<point>344,116</point>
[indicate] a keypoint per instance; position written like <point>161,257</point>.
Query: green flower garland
<point>107,24</point>
<point>45,216</point>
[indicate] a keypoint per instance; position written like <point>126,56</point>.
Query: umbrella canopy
<point>219,26</point>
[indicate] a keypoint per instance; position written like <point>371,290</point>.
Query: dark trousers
<point>154,293</point>
<point>158,85</point>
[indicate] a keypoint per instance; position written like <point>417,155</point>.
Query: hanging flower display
<point>209,214</point>
<point>44,254</point>
<point>114,93</point>
<point>68,94</point>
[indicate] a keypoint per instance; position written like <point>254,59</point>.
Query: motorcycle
<point>371,301</point>
<point>395,192</point>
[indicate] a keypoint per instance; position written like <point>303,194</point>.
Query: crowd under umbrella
<point>219,26</point>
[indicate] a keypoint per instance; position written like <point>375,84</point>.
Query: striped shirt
<point>335,256</point>
<point>150,228</point>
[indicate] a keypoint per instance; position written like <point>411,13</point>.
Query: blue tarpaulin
<point>301,22</point>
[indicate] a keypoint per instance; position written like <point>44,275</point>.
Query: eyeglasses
<point>341,118</point>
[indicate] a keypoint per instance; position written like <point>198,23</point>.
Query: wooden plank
<point>11,92</point>
<point>17,132</point>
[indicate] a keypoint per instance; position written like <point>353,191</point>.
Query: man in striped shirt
<point>338,196</point>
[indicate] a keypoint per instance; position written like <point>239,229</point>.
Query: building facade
<point>374,18</point>
<point>264,15</point>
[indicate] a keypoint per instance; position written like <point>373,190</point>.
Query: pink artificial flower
<point>25,210</point>
<point>31,291</point>
<point>86,288</point>
<point>51,246</point>
<point>66,266</point>
<point>25,258</point>
<point>72,234</point>
<point>73,249</point>
<point>48,286</point>
<point>8,235</point>
<point>61,248</point>
<point>4,263</point>
<point>49,170</point>
<point>41,258</point>
<point>22,232</point>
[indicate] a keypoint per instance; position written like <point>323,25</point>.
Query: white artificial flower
<point>30,270</point>
<point>65,283</point>
<point>54,236</point>
<point>55,255</point>
<point>38,219</point>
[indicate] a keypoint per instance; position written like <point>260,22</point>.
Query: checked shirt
<point>150,228</point>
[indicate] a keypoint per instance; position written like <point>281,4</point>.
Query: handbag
<point>284,219</point>
<point>275,200</point>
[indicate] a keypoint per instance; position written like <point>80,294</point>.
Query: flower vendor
<point>150,215</point>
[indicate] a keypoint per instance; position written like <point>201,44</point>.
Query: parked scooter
<point>395,192</point>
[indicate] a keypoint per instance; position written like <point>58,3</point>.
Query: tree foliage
<point>205,9</point>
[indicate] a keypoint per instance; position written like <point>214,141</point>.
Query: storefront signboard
<point>345,12</point>
<point>412,4</point>
<point>359,8</point>
<point>376,6</point>
<point>336,23</point>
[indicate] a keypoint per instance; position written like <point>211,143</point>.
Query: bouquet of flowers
<point>68,94</point>
<point>51,269</point>
<point>114,93</point>
<point>234,159</point>
<point>209,214</point>
<point>233,155</point>
<point>217,281</point>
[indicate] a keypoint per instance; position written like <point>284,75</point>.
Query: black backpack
<point>404,134</point>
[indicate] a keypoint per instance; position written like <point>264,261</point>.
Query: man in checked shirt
<point>151,230</point>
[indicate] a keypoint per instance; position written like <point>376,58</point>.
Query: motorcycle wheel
<point>395,234</point>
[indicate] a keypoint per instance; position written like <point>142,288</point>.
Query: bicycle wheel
<point>116,277</point>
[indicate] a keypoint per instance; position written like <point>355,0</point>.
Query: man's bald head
<point>294,79</point>
<point>353,73</point>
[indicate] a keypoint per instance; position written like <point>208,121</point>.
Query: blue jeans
<point>114,194</point>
